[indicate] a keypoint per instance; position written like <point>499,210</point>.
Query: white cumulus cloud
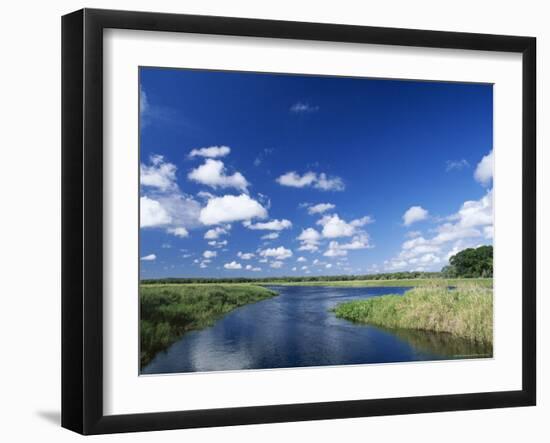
<point>320,208</point>
<point>213,173</point>
<point>209,254</point>
<point>310,247</point>
<point>484,170</point>
<point>319,181</point>
<point>150,257</point>
<point>245,255</point>
<point>309,235</point>
<point>233,265</point>
<point>334,226</point>
<point>178,231</point>
<point>279,253</point>
<point>475,212</point>
<point>273,225</point>
<point>214,233</point>
<point>159,174</point>
<point>218,243</point>
<point>327,183</point>
<point>211,151</point>
<point>230,208</point>
<point>337,249</point>
<point>309,239</point>
<point>152,213</point>
<point>295,180</point>
<point>414,214</point>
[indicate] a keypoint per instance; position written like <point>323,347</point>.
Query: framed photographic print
<point>269,221</point>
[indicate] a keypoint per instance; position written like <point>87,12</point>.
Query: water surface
<point>296,329</point>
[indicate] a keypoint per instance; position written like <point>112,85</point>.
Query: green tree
<point>471,262</point>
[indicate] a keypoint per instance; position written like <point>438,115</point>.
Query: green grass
<point>484,282</point>
<point>465,312</point>
<point>168,311</point>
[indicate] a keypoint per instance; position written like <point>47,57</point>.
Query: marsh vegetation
<point>465,311</point>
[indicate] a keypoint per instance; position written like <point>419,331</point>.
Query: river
<point>297,329</point>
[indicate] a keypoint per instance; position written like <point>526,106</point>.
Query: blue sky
<point>247,174</point>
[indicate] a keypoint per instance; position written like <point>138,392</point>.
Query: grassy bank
<point>168,311</point>
<point>416,282</point>
<point>465,312</point>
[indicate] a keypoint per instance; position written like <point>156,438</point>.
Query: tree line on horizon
<point>468,263</point>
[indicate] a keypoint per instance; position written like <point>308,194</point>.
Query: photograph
<point>290,220</point>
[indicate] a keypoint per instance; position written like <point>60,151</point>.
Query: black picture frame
<point>82,218</point>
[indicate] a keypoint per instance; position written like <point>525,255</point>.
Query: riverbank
<point>168,311</point>
<point>465,312</point>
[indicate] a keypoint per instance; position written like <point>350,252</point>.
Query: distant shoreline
<point>406,282</point>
